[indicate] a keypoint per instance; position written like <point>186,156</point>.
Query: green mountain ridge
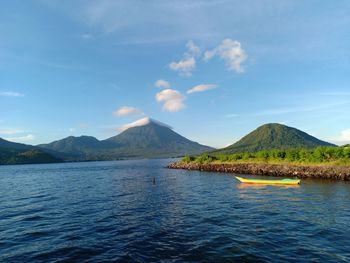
<point>73,147</point>
<point>273,136</point>
<point>14,145</point>
<point>18,153</point>
<point>150,140</point>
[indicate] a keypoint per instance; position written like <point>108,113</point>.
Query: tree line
<point>319,155</point>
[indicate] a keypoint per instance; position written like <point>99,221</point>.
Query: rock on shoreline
<point>285,170</point>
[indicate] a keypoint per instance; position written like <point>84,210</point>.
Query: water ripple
<point>112,211</point>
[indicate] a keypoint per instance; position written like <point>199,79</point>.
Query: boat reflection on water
<point>253,193</point>
<point>252,186</point>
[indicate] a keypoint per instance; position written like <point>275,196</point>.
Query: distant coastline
<point>269,143</point>
<point>335,172</point>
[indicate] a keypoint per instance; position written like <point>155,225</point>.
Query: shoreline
<point>281,170</point>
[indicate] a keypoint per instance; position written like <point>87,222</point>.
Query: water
<point>112,211</point>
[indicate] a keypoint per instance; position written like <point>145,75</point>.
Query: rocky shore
<point>284,170</point>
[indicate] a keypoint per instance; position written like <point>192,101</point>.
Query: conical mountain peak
<point>144,138</point>
<point>274,136</point>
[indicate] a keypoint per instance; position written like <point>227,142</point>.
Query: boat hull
<point>274,182</point>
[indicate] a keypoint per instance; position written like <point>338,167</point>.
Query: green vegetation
<point>15,156</point>
<point>74,145</point>
<point>273,136</point>
<point>18,153</point>
<point>316,156</point>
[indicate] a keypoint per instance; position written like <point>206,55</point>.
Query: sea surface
<point>139,211</point>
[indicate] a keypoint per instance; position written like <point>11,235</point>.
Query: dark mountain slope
<point>74,145</point>
<point>14,145</point>
<point>17,153</point>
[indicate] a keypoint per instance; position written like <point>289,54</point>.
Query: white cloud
<point>230,51</point>
<point>345,135</point>
<point>193,49</point>
<point>16,135</point>
<point>209,55</point>
<point>342,138</point>
<point>11,94</point>
<point>173,100</point>
<point>9,131</point>
<point>184,66</point>
<point>25,138</point>
<point>126,110</point>
<point>201,88</point>
<point>188,62</point>
<point>142,122</point>
<point>168,94</point>
<point>161,83</point>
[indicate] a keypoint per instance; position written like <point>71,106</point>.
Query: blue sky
<point>213,70</point>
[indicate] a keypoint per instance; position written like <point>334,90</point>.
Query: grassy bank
<point>339,156</point>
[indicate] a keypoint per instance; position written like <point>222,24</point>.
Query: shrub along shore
<point>321,162</point>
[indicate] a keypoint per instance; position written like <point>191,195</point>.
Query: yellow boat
<point>275,182</point>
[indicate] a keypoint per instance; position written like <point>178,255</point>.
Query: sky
<point>212,70</point>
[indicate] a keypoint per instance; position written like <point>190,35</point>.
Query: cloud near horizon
<point>230,51</point>
<point>188,63</point>
<point>161,83</point>
<point>9,131</point>
<point>127,110</point>
<point>343,137</point>
<point>11,94</point>
<point>173,100</point>
<point>201,88</point>
<point>25,138</point>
